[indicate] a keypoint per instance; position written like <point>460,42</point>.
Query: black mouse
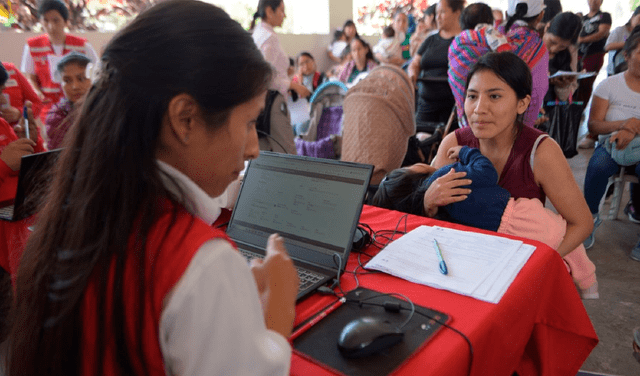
<point>366,336</point>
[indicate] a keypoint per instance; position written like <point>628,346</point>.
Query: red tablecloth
<point>540,326</point>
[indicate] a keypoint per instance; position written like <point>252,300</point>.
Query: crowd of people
<point>113,270</point>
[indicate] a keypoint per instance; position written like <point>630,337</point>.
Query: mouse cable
<point>455,330</point>
<point>389,307</point>
<point>393,307</point>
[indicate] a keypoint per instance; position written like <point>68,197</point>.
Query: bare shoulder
<point>549,161</point>
<point>441,158</point>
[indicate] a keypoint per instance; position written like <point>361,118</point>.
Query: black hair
<point>261,12</point>
<point>388,31</point>
<point>455,5</point>
<point>365,44</point>
<point>307,54</point>
<point>73,58</point>
<point>292,63</point>
<point>402,190</point>
<point>509,68</point>
<point>56,5</point>
<point>552,9</point>
<point>348,23</point>
<point>474,14</point>
<point>521,12</point>
<point>4,75</point>
<point>566,26</point>
<point>107,189</point>
<point>431,10</point>
<point>337,34</point>
<point>632,42</point>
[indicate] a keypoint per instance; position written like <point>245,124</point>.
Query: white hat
<point>534,7</point>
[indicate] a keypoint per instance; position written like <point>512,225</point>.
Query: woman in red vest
<point>42,53</point>
<point>124,273</point>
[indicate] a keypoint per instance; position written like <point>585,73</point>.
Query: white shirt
<point>213,322</point>
<point>267,41</point>
<point>619,34</point>
<point>27,60</point>
<point>624,103</point>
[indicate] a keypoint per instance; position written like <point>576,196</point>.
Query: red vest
<point>20,90</point>
<point>165,264</point>
<point>40,47</point>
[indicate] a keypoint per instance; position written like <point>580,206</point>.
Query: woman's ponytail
<point>521,11</point>
<point>253,21</point>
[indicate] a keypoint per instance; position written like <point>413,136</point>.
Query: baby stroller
<point>322,138</point>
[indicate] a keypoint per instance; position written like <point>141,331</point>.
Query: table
<point>544,327</point>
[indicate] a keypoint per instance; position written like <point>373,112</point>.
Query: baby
<point>387,44</point>
<point>488,207</point>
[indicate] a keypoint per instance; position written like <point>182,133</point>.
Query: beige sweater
<point>378,120</point>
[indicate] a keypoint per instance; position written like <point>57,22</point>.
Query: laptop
<point>314,204</point>
<point>33,181</point>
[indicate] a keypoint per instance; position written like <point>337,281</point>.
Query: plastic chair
<point>619,181</point>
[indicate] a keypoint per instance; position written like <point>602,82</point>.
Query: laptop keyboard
<point>6,212</point>
<point>307,277</point>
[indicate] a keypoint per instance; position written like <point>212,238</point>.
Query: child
<point>308,74</point>
<point>72,70</point>
<point>336,50</point>
<point>488,207</point>
<point>386,47</point>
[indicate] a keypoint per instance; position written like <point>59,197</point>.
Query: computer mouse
<point>366,336</point>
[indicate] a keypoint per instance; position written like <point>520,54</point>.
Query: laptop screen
<point>314,204</point>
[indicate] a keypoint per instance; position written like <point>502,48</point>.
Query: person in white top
<point>272,14</point>
<point>124,272</point>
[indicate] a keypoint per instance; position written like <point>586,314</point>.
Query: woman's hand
<point>622,138</point>
<point>277,281</point>
<point>12,153</point>
<point>10,114</point>
<point>446,190</point>
<point>33,126</point>
<point>632,125</point>
<point>561,81</point>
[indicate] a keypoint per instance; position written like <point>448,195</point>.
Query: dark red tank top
<point>517,175</point>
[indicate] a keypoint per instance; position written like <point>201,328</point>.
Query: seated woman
<point>124,274</point>
<point>528,162</point>
<point>561,38</point>
<point>75,85</point>
<point>614,115</point>
<point>361,61</point>
<point>488,207</point>
<point>615,42</point>
<point>435,100</point>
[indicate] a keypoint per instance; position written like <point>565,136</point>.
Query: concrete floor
<point>617,311</point>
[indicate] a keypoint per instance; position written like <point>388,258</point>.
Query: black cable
<point>274,140</point>
<point>455,330</point>
<point>413,310</point>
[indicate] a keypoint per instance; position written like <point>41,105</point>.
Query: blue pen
<point>443,265</point>
<point>26,122</point>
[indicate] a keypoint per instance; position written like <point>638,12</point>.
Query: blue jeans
<point>601,167</point>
